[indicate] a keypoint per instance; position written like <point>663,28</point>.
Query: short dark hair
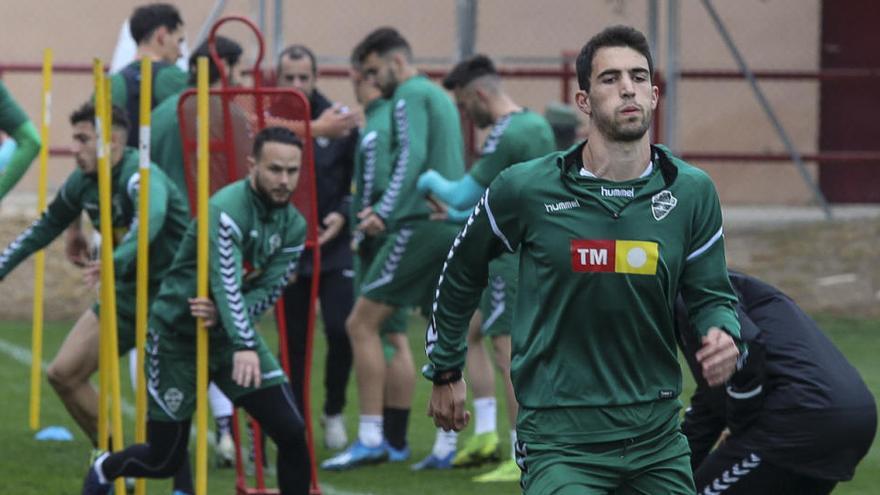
<point>467,70</point>
<point>296,52</point>
<point>148,18</point>
<point>355,58</point>
<point>275,135</point>
<point>381,41</point>
<point>228,50</point>
<point>86,113</point>
<point>624,36</point>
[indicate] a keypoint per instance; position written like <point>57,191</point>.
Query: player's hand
<point>717,356</point>
<point>203,307</point>
<point>246,368</point>
<point>91,273</point>
<point>76,248</point>
<point>439,211</point>
<point>371,223</point>
<point>334,122</point>
<point>333,224</point>
<point>447,406</point>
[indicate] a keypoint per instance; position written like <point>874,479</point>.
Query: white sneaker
<point>225,451</point>
<point>335,437</point>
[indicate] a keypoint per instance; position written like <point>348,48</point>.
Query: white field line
<point>24,357</point>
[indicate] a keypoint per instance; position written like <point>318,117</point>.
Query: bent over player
<point>799,415</point>
<point>608,233</point>
<point>256,237</point>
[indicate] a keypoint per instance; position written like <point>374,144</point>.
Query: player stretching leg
<point>256,237</point>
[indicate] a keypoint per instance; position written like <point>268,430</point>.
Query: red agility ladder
<point>236,115</point>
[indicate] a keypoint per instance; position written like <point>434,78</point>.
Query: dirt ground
<point>828,266</point>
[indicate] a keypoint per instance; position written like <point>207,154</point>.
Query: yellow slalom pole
<point>202,282</point>
<point>143,263</point>
<point>108,285</point>
<point>103,370</point>
<point>40,260</point>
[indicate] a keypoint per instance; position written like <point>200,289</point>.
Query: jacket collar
<point>569,162</point>
<point>262,206</point>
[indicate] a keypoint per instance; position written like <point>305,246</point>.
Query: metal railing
<point>565,74</point>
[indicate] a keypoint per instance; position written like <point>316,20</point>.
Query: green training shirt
<point>167,221</point>
<point>166,147</point>
<point>168,80</point>
<point>372,159</point>
<point>425,134</point>
<point>253,253</point>
<point>516,137</point>
<point>372,168</point>
<point>593,345</point>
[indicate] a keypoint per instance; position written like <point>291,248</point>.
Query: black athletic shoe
<point>93,486</point>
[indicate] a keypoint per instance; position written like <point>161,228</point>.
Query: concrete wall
<point>713,116</point>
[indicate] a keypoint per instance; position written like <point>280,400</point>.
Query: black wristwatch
<point>446,377</point>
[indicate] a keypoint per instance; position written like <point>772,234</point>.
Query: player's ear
<point>482,94</point>
<point>398,58</point>
<point>118,137</point>
<point>160,35</point>
<point>582,100</point>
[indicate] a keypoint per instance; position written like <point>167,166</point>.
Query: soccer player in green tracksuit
<point>20,147</point>
<point>608,233</point>
<point>371,173</point>
<point>77,359</point>
<point>157,29</point>
<point>256,237</point>
<point>425,134</point>
<point>516,135</point>
<point>166,147</point>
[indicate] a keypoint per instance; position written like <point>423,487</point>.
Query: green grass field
<point>30,467</point>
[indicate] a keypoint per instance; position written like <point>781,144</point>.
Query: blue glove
<point>7,149</point>
<point>462,194</point>
<point>458,216</point>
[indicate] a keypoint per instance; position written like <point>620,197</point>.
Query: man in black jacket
<point>799,415</point>
<point>334,164</point>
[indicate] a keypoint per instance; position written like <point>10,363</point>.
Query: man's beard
<point>389,88</point>
<point>483,120</point>
<point>615,131</point>
<point>269,197</point>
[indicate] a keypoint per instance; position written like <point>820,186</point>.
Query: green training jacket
<point>425,134</point>
<point>516,137</point>
<point>593,344</point>
<point>254,248</point>
<point>167,223</point>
